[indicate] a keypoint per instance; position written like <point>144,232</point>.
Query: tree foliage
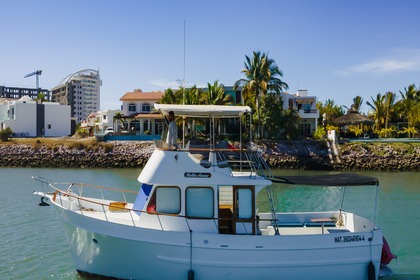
<point>331,111</point>
<point>271,115</point>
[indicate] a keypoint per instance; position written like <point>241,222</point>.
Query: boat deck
<point>130,218</point>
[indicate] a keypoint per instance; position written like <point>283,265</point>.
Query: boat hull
<point>141,253</point>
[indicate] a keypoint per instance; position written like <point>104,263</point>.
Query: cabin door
<point>236,210</point>
<point>243,210</point>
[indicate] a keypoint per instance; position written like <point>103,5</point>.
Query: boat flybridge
<point>195,216</point>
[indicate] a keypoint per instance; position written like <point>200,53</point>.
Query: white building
<point>306,107</point>
<point>80,90</point>
<point>97,122</point>
<point>27,118</point>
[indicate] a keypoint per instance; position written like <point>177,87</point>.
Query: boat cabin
<point>213,188</point>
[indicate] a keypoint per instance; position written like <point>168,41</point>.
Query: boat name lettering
<point>197,175</point>
<point>349,238</point>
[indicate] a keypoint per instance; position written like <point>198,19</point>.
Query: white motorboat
<point>195,217</point>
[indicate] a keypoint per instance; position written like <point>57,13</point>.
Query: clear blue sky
<point>334,49</point>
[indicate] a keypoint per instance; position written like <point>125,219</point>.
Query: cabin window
<point>199,202</point>
<point>165,200</point>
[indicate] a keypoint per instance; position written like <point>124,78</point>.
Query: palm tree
<point>378,109</point>
<point>192,96</point>
<point>216,95</point>
<point>168,98</point>
<point>357,104</point>
<point>262,76</point>
<point>389,103</point>
<point>118,118</point>
<point>331,111</point>
<point>41,98</point>
<point>409,106</point>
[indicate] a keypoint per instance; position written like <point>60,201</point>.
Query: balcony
<point>309,114</point>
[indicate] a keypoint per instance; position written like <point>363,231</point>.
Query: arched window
<point>145,107</point>
<point>132,107</point>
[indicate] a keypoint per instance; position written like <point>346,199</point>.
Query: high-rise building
<point>80,90</point>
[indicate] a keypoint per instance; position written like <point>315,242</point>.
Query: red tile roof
<point>138,95</point>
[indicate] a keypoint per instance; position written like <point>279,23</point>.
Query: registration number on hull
<point>349,238</point>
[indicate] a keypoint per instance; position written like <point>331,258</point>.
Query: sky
<point>334,49</point>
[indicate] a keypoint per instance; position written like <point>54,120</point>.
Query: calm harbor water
<point>33,244</point>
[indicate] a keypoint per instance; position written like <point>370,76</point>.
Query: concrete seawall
<point>309,155</point>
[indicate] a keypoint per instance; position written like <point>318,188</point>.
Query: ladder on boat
<point>273,201</point>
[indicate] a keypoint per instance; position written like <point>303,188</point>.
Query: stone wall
<point>310,155</point>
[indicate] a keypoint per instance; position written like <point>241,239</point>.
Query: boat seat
<point>222,164</point>
<point>317,224</point>
<point>117,206</point>
<point>205,163</point>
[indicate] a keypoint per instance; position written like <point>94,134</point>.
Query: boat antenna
<point>183,78</point>
<point>183,91</point>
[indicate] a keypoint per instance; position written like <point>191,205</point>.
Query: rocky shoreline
<point>308,155</point>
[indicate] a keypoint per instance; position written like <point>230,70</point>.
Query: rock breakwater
<point>309,155</point>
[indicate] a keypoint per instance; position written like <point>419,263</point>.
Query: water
<point>33,244</point>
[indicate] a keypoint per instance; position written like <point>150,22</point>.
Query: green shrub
<point>320,133</point>
<point>6,134</point>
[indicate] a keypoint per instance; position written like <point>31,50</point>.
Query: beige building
<point>137,109</point>
<point>80,90</point>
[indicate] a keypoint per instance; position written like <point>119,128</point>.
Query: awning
<point>149,116</point>
<point>333,180</point>
<point>218,111</point>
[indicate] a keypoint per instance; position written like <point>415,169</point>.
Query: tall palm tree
<point>357,104</point>
<point>411,93</point>
<point>389,103</point>
<point>406,106</point>
<point>378,109</point>
<point>262,76</point>
<point>216,95</point>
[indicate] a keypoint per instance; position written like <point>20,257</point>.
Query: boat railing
<point>236,159</point>
<point>69,196</point>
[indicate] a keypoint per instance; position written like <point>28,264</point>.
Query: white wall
<point>58,117</point>
<point>24,118</point>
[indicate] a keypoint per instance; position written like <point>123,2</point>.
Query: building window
<point>132,107</point>
<point>145,107</point>
<point>199,202</point>
<point>49,126</point>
